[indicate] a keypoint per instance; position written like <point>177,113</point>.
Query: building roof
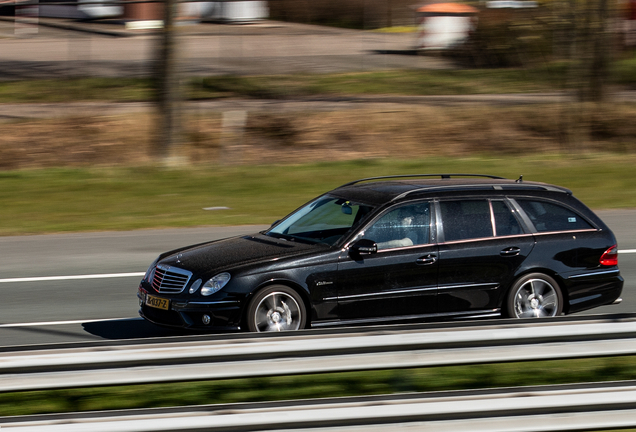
<point>447,9</point>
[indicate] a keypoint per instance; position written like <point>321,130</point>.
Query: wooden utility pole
<point>599,46</point>
<point>168,130</point>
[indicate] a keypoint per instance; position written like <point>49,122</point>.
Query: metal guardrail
<point>307,352</point>
<point>527,409</point>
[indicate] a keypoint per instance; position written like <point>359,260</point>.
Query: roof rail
<point>443,176</point>
<point>517,186</point>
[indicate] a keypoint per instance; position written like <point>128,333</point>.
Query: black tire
<point>276,308</point>
<point>534,295</point>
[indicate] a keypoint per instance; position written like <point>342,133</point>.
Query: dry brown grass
<point>403,131</point>
<point>74,141</point>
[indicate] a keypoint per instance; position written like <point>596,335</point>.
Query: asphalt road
<point>205,49</point>
<point>79,287</point>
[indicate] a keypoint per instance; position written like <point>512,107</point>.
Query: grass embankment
<point>303,133</point>
<point>320,386</point>
<point>544,78</point>
<point>276,86</point>
<point>406,82</point>
<point>66,200</point>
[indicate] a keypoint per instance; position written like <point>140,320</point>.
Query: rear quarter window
<point>547,216</point>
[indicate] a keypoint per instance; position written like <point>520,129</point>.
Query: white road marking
<point>121,275</point>
<point>50,323</point>
<point>75,277</point>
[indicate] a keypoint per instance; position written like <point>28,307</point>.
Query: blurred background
<point>230,85</point>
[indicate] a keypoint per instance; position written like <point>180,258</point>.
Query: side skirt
<point>489,313</point>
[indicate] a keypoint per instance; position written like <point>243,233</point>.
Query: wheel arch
<point>546,271</point>
<point>299,289</point>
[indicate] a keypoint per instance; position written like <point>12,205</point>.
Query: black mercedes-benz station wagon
<point>396,249</point>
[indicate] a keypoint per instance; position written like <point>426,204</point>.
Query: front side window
<point>405,226</point>
<point>324,220</point>
<point>464,220</point>
<point>552,217</point>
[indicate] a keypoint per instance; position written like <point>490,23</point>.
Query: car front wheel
<point>276,308</point>
<point>535,295</point>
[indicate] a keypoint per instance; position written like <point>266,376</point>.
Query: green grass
<point>420,82</point>
<point>67,200</point>
<point>539,78</point>
<point>320,386</point>
<point>76,89</point>
<point>544,78</point>
<point>624,71</point>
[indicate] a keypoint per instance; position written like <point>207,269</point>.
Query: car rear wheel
<point>535,295</point>
<point>276,308</point>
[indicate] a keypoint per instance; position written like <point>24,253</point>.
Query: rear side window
<point>464,220</point>
<point>505,222</point>
<point>552,217</point>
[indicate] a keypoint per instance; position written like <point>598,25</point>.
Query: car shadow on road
<point>132,328</point>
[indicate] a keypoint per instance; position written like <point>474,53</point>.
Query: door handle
<point>511,251</point>
<point>426,260</point>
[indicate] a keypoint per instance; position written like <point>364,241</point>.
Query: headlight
<point>215,284</point>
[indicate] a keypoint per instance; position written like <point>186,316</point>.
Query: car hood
<point>224,255</point>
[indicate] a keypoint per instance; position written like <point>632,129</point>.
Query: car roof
<point>381,190</point>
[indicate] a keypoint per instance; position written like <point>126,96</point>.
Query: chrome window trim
<point>405,248</point>
<point>492,219</point>
<point>485,239</point>
<point>566,232</point>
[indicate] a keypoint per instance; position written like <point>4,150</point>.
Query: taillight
<point>610,257</point>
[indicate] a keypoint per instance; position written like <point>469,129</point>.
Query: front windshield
<point>325,220</point>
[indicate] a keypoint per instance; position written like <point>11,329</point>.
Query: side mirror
<point>275,222</point>
<point>363,247</point>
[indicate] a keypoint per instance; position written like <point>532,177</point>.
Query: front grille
<point>170,280</point>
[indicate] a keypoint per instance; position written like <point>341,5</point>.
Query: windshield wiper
<point>292,238</point>
<point>279,236</point>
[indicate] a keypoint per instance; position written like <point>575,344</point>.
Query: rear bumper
<point>593,289</point>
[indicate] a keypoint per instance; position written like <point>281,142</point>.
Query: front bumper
<point>224,314</point>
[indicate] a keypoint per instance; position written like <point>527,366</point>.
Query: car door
<point>399,281</point>
<point>482,244</point>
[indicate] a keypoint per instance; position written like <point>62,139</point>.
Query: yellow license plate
<point>157,302</point>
